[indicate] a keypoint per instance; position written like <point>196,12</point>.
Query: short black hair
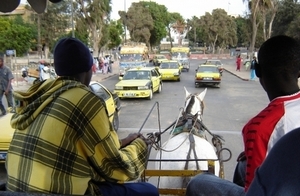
<point>279,56</point>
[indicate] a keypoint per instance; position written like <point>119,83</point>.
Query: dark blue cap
<point>71,57</point>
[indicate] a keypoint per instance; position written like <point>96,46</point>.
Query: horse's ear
<point>202,94</point>
<point>186,92</point>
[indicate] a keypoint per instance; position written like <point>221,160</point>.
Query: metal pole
<point>125,21</point>
<point>72,15</point>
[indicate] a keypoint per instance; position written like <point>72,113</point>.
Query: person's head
<point>254,57</point>
<point>1,62</point>
<point>279,66</point>
<point>42,62</point>
<point>73,58</point>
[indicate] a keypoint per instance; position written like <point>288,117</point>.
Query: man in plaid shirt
<point>64,142</point>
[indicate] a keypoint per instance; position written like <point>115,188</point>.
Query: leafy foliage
<point>139,22</point>
<point>15,34</point>
<point>218,28</point>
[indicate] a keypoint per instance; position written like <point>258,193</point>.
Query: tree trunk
<point>195,34</point>
<point>169,32</point>
<point>271,24</point>
<point>255,25</point>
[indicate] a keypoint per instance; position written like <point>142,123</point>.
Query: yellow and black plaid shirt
<point>64,142</point>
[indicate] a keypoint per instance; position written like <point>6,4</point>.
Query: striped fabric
<point>64,142</point>
<point>262,132</point>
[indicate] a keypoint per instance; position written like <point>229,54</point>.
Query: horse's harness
<point>192,124</point>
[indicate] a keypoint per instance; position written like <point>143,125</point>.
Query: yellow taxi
<point>111,101</point>
<point>170,70</point>
<point>158,58</point>
<point>207,75</point>
<point>139,83</point>
<point>6,135</point>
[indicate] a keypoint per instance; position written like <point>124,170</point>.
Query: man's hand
<point>133,136</point>
<point>6,92</point>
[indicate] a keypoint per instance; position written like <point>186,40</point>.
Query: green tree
<point>139,22</point>
<point>194,29</point>
<point>288,11</point>
<point>219,29</point>
<point>15,35</point>
<point>171,20</point>
<point>159,15</point>
<point>95,14</point>
<point>243,31</point>
<point>115,32</point>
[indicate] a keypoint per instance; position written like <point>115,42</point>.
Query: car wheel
<point>188,70</point>
<point>159,88</point>
<point>151,95</point>
<point>115,122</point>
<point>178,79</point>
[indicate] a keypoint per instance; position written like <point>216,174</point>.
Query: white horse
<point>180,144</point>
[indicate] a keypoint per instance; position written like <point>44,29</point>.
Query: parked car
<point>170,70</point>
<point>111,101</point>
<point>139,82</point>
<point>207,75</point>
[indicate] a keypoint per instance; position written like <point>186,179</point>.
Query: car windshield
<point>213,63</point>
<point>169,66</point>
<point>205,69</point>
<point>160,57</point>
<point>179,55</point>
<point>137,75</point>
<point>131,57</point>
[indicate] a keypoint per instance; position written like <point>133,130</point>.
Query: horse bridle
<point>201,102</point>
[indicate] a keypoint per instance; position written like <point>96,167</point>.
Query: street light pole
<point>72,16</point>
<point>125,28</point>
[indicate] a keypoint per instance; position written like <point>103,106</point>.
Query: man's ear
<point>258,70</point>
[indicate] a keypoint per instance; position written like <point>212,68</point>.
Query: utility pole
<point>125,21</point>
<point>39,36</point>
<point>72,18</point>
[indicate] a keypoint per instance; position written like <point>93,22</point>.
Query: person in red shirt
<point>278,70</point>
<point>238,63</point>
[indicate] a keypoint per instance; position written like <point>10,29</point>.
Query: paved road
<point>226,109</point>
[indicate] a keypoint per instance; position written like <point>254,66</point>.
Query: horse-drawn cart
<point>187,152</point>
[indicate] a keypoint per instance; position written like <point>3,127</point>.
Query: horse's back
<point>179,146</point>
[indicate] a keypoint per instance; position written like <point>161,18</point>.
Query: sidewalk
<point>20,84</point>
<point>243,74</point>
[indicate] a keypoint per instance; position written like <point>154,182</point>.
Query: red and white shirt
<point>281,116</point>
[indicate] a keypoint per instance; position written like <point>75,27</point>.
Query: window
<point>99,91</point>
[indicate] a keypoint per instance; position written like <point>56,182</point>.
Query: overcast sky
<point>187,8</point>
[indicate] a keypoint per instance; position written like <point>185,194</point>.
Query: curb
<point>244,79</point>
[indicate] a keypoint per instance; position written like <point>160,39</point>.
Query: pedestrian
<point>40,69</point>
<point>278,70</point>
<point>105,65</point>
<point>247,63</point>
<point>45,72</point>
<point>252,68</point>
<point>238,63</point>
<point>6,78</point>
<point>68,145</point>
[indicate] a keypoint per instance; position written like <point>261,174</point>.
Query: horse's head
<point>194,103</point>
